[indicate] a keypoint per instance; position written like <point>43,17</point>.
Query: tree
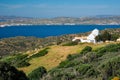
<point>104,36</point>
<point>37,73</point>
<point>8,72</point>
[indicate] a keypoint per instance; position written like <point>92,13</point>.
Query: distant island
<point>94,20</point>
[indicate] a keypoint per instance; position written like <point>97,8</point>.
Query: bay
<point>42,31</point>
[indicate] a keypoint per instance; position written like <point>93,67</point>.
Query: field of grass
<point>56,54</point>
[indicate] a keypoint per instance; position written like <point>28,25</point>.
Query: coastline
<point>9,25</point>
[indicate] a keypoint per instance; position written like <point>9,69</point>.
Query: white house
<point>118,40</point>
<point>90,38</point>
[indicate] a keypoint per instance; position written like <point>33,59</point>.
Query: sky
<point>59,8</point>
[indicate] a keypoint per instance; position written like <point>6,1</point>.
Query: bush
<point>107,36</point>
<point>18,60</point>
<point>22,63</point>
<point>8,72</point>
<point>86,70</point>
<point>83,68</point>
<point>104,36</point>
<point>73,56</point>
<point>86,49</point>
<point>89,57</point>
<point>72,64</point>
<point>63,63</point>
<point>39,54</point>
<point>37,73</point>
<point>110,68</point>
<point>72,43</point>
<point>114,37</point>
<point>108,48</point>
<point>70,57</point>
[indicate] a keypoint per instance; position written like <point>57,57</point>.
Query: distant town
<point>94,20</point>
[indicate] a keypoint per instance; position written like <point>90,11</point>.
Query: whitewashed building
<point>118,40</point>
<point>90,38</point>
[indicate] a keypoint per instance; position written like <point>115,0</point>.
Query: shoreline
<point>10,25</point>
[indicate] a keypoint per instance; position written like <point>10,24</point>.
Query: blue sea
<point>42,31</point>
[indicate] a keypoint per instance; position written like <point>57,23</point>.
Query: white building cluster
<point>90,38</point>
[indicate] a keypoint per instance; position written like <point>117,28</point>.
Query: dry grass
<point>55,55</point>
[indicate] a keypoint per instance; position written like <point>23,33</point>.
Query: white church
<point>90,38</point>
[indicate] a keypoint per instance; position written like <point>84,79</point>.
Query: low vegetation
<point>62,61</point>
<point>17,60</point>
<point>89,66</point>
<point>37,73</point>
<point>107,36</point>
<point>22,60</point>
<point>8,72</point>
<point>40,53</point>
<point>56,54</point>
<point>71,43</point>
<point>91,63</point>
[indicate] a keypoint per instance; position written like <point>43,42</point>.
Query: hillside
<point>100,64</point>
<point>15,45</point>
<point>70,62</point>
<point>55,55</point>
<point>61,59</point>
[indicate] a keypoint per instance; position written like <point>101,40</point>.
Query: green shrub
<point>110,68</point>
<point>114,37</point>
<point>107,36</point>
<point>71,64</point>
<point>72,43</point>
<point>39,54</point>
<point>73,56</point>
<point>82,69</point>
<point>69,57</point>
<point>86,70</point>
<point>86,49</point>
<point>63,63</point>
<point>89,57</point>
<point>108,48</point>
<point>18,60</point>
<point>37,73</point>
<point>59,74</point>
<point>8,72</point>
<point>22,63</point>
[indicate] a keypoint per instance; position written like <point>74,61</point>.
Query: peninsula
<point>94,20</point>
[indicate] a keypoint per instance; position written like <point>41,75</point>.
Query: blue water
<point>45,31</point>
